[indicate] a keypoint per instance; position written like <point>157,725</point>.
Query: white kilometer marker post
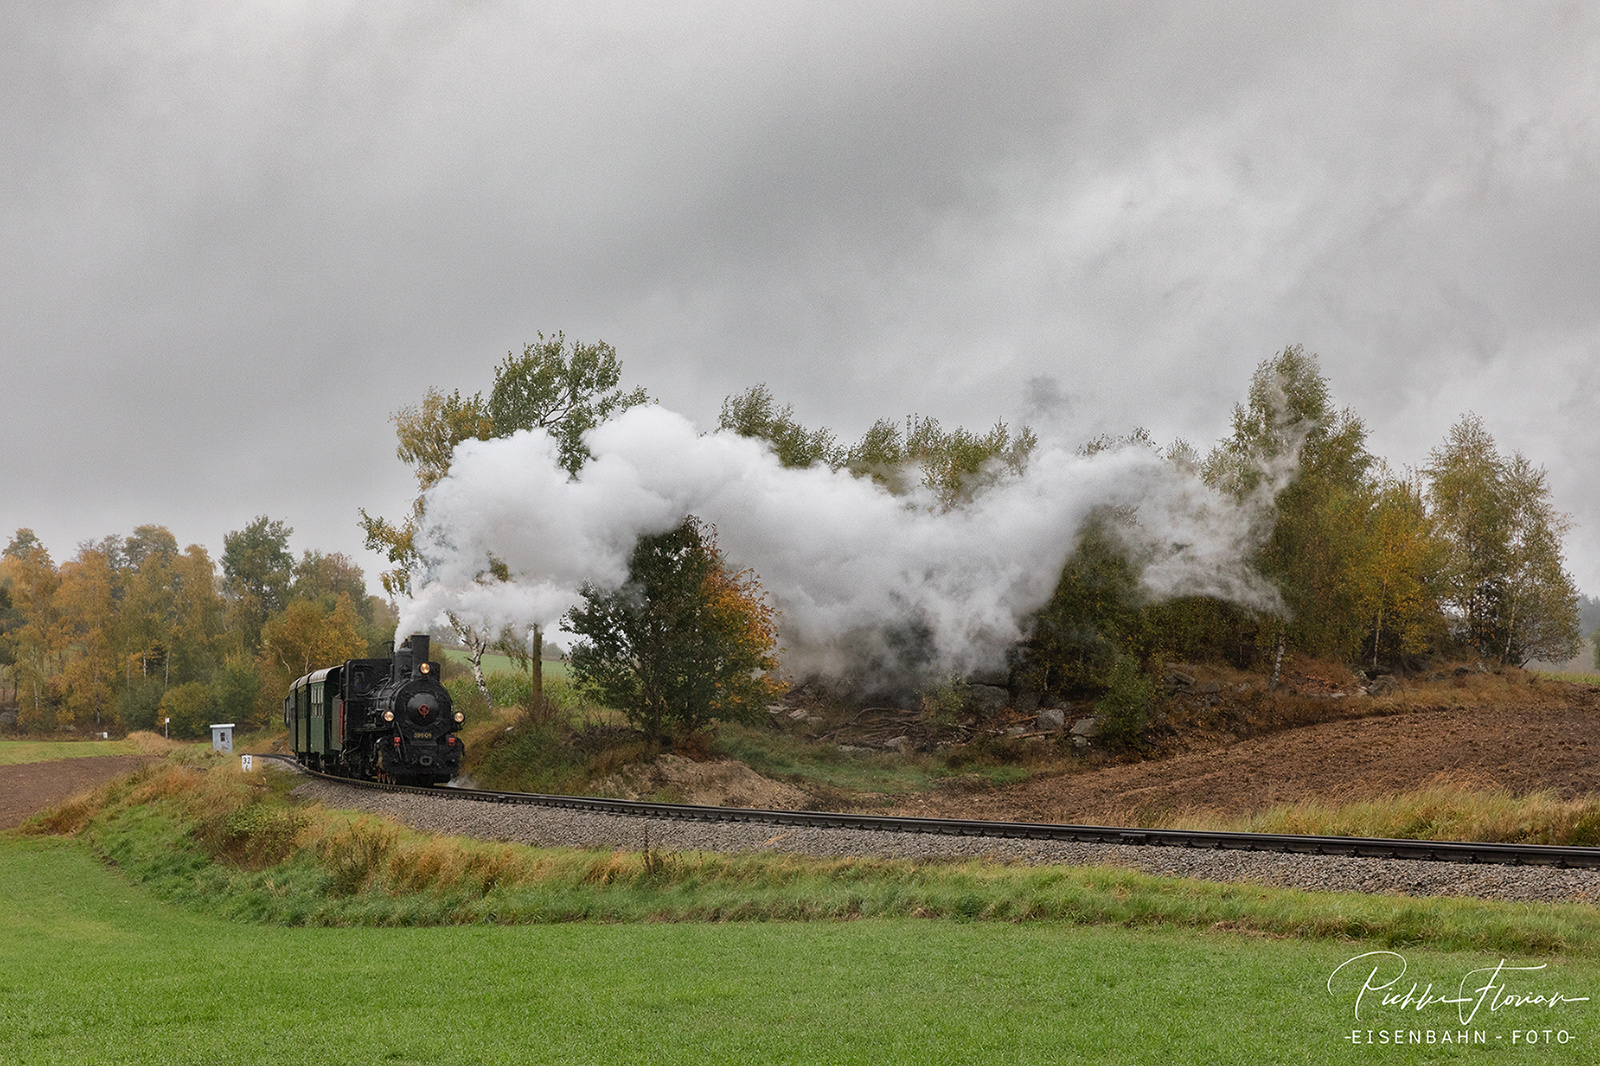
<point>245,763</point>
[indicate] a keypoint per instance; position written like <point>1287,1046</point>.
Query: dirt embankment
<point>719,783</point>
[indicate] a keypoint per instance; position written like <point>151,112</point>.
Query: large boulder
<point>1178,681</point>
<point>987,699</point>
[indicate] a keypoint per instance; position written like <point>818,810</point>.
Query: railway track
<point>1355,847</point>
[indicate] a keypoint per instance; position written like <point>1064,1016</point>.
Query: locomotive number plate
<point>421,736</point>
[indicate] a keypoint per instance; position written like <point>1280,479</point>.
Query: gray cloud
<point>238,238</point>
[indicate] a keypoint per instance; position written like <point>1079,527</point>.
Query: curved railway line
<point>1546,855</point>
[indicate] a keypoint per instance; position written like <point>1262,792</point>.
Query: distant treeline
<point>131,632</point>
<point>1375,566</point>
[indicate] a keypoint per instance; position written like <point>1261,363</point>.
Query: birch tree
<point>38,638</point>
<point>87,598</point>
<point>1288,438</point>
<point>1506,585</point>
<point>563,387</point>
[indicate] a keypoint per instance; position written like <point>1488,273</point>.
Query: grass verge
<point>1589,677</point>
<point>17,752</point>
<point>563,747</point>
<point>1440,810</point>
<point>235,844</point>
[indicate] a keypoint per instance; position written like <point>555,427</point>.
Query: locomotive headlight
<point>460,717</point>
<point>388,716</point>
<point>424,667</point>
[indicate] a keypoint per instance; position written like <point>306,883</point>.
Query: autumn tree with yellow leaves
<point>35,640</point>
<point>131,631</point>
<point>306,636</point>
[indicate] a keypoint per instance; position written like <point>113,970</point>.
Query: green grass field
<point>94,970</point>
<point>1588,677</point>
<point>821,766</point>
<point>397,947</point>
<point>14,752</point>
<point>493,663</point>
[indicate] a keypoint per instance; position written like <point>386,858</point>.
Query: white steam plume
<point>845,562</point>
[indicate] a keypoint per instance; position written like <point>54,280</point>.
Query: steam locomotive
<point>379,719</point>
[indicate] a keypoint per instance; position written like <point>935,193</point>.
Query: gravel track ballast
<point>554,827</point>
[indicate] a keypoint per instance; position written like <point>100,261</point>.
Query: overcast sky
<point>234,238</point>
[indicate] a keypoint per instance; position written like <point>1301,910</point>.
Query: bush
<point>464,695</point>
<point>1125,708</point>
<point>532,756</point>
<point>682,642</point>
<point>510,690</point>
<point>945,702</point>
<point>234,690</point>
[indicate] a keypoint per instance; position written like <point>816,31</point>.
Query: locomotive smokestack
<point>419,654</point>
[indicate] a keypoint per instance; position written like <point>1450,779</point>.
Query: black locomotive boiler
<point>379,719</point>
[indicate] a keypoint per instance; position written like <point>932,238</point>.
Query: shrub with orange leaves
<point>683,641</point>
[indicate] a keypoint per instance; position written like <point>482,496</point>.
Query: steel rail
<point>1352,847</point>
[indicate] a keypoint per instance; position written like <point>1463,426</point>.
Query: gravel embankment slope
<point>545,826</point>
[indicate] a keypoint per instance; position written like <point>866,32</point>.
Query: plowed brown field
<point>29,788</point>
<point>1553,743</point>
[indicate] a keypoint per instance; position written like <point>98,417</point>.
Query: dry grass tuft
<point>1471,685</point>
<point>68,819</point>
<point>620,867</point>
<point>1452,806</point>
<point>610,760</point>
<point>421,865</point>
<point>170,782</point>
<point>433,863</point>
<point>370,854</point>
<point>148,743</point>
<point>356,852</point>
